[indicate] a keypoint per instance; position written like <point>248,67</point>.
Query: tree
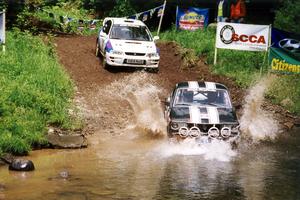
<point>288,16</point>
<point>123,8</point>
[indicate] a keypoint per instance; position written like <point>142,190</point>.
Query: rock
<point>297,122</point>
<point>289,125</point>
<point>64,174</point>
<point>287,102</point>
<point>21,165</point>
<point>67,141</point>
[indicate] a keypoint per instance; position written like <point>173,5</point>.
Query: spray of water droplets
<point>255,122</point>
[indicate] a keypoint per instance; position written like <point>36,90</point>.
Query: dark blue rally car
<point>201,109</point>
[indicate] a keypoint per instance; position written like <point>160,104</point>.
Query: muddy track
<point>77,56</point>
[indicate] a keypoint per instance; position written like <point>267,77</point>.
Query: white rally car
<point>127,42</point>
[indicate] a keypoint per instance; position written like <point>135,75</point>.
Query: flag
<point>160,11</point>
<point>2,27</point>
<point>145,16</point>
<point>191,18</point>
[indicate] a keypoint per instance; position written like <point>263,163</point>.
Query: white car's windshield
<point>188,97</point>
<point>138,33</point>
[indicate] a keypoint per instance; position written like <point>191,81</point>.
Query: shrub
<point>34,92</point>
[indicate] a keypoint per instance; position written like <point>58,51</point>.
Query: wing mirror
<point>155,38</point>
<point>167,101</point>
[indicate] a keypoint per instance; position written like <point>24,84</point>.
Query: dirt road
<point>77,56</point>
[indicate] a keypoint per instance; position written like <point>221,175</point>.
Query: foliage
<point>288,16</point>
<point>122,8</point>
<point>34,92</point>
<point>38,19</point>
<point>286,92</point>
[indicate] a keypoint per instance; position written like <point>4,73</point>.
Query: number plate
<point>134,61</point>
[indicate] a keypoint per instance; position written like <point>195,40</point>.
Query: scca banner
<point>247,37</point>
<point>2,27</point>
<point>191,18</point>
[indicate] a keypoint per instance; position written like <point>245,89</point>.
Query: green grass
<point>68,10</point>
<point>285,91</point>
<point>242,66</point>
<point>35,92</point>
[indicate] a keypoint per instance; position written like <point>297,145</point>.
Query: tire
<point>153,70</point>
<point>169,133</point>
<point>97,50</point>
<point>104,63</point>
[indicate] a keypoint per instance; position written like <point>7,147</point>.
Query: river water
<point>129,156</point>
<point>142,168</point>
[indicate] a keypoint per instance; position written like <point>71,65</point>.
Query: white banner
<point>242,36</point>
<point>2,27</point>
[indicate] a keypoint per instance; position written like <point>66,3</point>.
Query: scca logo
<point>249,38</point>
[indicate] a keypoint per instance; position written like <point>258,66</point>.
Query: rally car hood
<point>204,115</point>
<point>133,46</point>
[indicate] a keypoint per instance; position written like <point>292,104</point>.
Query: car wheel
<point>155,70</point>
<point>97,51</point>
<point>152,70</point>
<point>104,63</point>
<point>170,135</point>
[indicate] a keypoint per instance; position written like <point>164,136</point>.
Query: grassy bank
<point>242,66</point>
<point>35,92</point>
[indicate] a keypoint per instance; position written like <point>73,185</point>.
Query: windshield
<point>123,32</point>
<point>196,97</point>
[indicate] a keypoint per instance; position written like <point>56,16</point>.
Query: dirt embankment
<point>77,55</point>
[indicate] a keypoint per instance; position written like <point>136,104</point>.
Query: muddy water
<point>130,158</point>
<point>142,168</point>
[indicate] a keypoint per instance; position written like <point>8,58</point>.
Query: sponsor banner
<point>247,37</point>
<point>191,18</point>
<point>2,27</point>
<point>281,62</point>
<point>289,43</point>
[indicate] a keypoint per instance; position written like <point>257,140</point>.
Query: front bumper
<point>219,131</point>
<point>132,61</point>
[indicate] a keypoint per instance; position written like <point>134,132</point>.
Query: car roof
<point>201,85</point>
<point>124,21</point>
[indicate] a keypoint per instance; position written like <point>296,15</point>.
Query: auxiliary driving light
<point>183,131</point>
<point>225,132</point>
<point>213,132</point>
<point>194,131</point>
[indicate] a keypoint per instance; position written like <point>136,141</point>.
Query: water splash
<point>255,122</point>
<point>135,100</point>
<point>213,150</point>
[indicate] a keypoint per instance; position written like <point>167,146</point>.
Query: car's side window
<point>107,26</point>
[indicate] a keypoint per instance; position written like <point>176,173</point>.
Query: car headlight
<point>116,52</point>
<point>152,55</point>
<point>175,126</point>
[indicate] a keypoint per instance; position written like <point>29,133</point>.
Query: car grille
<point>134,54</point>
